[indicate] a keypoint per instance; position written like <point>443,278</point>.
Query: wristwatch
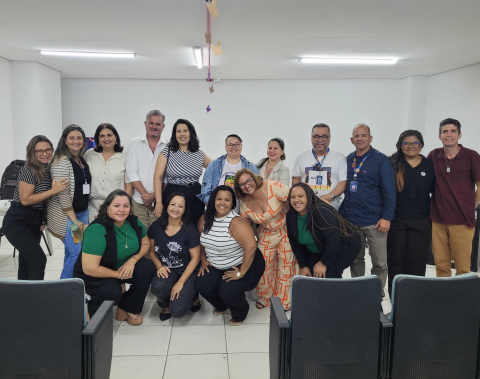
<point>239,274</point>
<point>333,196</point>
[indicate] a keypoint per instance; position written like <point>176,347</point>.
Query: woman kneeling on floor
<point>175,251</point>
<point>113,250</point>
<point>230,261</point>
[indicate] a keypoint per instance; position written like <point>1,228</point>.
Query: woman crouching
<point>230,261</point>
<point>113,250</point>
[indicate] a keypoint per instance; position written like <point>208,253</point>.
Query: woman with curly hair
<point>323,242</point>
<point>265,203</point>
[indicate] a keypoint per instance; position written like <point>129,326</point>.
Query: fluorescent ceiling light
<point>198,56</point>
<point>87,54</point>
<point>348,61</point>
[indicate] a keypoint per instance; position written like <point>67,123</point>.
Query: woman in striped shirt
<point>181,163</point>
<point>24,219</point>
<point>68,210</point>
<point>231,264</point>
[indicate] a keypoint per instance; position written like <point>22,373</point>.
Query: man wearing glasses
<point>457,172</point>
<point>369,201</point>
<point>223,169</point>
<point>322,168</point>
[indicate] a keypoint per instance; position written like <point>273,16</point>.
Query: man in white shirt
<point>142,154</point>
<point>323,169</point>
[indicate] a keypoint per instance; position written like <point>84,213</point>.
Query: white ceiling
<point>261,39</point>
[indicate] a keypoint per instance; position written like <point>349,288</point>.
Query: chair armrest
<point>386,327</point>
<point>98,343</point>
<point>278,340</point>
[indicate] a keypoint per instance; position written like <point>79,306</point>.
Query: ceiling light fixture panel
<point>375,61</point>
<point>87,54</point>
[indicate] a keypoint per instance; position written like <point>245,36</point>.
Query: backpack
<point>9,179</point>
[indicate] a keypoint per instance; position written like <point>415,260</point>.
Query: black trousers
<point>21,226</point>
<point>196,208</point>
<point>407,248</point>
<point>332,272</point>
<point>101,289</point>
<point>222,294</point>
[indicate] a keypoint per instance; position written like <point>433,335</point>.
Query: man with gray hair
<point>142,154</point>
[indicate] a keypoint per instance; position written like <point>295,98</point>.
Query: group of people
<point>151,223</point>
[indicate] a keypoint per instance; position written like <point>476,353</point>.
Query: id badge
<point>86,189</point>
<point>353,186</point>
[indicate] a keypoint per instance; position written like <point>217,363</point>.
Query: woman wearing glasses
<point>221,171</point>
<point>410,232</point>
<point>266,204</point>
<point>25,218</point>
<point>273,166</point>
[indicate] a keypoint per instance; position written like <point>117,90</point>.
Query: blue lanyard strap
<point>355,169</point>
<point>316,158</point>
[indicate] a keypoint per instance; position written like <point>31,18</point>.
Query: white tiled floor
<point>198,345</point>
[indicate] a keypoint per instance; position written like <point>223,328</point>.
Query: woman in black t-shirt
<point>24,219</point>
<point>410,232</point>
<point>175,251</point>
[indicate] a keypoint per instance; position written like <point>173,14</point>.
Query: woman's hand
<point>232,275</point>
<point>162,272</point>
<point>158,209</point>
<point>175,293</point>
<point>319,270</point>
<point>126,270</point>
<point>59,186</point>
<point>203,266</point>
<point>305,271</point>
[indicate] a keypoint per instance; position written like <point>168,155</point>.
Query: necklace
<point>125,224</point>
<point>448,165</point>
<point>230,167</point>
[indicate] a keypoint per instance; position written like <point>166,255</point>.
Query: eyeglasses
<point>316,137</point>
<point>234,145</point>
<point>41,152</point>
<point>246,182</point>
<point>411,144</point>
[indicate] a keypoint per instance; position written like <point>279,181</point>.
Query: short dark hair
<point>193,144</point>
<point>450,121</point>
<point>164,216</point>
<point>118,148</point>
<point>210,210</point>
<point>102,211</point>
<point>321,125</point>
<point>236,185</point>
<point>235,136</point>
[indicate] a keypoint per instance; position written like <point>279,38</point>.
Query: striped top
<point>223,251</point>
<point>27,176</point>
<point>183,166</point>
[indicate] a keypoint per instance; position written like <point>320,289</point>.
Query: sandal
<point>165,314</point>
<point>216,312</point>
<point>196,305</point>
<point>259,305</point>
<point>235,323</point>
<point>130,318</point>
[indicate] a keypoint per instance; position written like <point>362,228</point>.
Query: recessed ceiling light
<point>87,54</point>
<point>348,61</point>
<point>197,51</point>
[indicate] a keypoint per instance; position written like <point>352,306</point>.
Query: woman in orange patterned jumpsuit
<point>265,203</point>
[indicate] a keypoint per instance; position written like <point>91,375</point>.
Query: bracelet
<point>134,257</point>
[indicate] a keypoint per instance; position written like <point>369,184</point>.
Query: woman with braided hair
<point>410,232</point>
<point>323,242</point>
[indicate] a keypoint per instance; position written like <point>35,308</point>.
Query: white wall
<point>256,110</point>
<point>36,104</point>
<point>454,94</point>
<point>6,132</point>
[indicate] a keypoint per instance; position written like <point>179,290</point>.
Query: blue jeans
<point>72,250</point>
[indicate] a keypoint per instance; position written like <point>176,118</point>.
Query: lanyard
<point>357,170</point>
<point>316,158</point>
<point>83,169</point>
